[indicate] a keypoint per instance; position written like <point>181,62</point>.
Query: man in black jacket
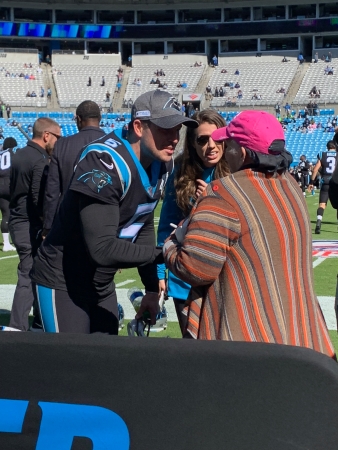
<point>64,158</point>
<point>303,173</point>
<point>27,179</point>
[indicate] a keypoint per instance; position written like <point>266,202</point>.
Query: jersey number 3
<point>5,160</point>
<point>331,164</point>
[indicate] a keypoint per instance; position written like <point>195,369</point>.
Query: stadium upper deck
<point>166,27</point>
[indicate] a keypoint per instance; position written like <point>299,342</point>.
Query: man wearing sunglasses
<point>29,170</point>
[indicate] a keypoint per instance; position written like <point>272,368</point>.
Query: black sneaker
<point>318,225</point>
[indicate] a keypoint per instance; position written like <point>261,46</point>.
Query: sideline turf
<point>325,275</point>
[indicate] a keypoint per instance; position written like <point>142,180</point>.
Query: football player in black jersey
<point>8,148</point>
<point>303,169</point>
<point>105,221</point>
<point>327,164</point>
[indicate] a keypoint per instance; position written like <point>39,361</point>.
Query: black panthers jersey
<point>6,161</point>
<point>5,169</point>
<point>108,172</point>
<point>328,163</point>
<point>304,167</point>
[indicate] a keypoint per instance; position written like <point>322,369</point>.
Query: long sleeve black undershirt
<point>99,223</point>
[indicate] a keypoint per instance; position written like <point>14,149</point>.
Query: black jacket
<point>28,175</point>
<point>61,169</point>
<point>333,189</point>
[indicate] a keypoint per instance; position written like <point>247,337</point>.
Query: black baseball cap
<point>162,109</point>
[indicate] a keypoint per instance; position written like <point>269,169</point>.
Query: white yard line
<point>123,283</point>
<point>7,293</point>
<point>7,257</point>
<point>318,261</point>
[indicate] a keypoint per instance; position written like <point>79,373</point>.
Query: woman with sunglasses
<point>201,162</point>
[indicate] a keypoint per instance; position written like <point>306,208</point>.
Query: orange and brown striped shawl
<point>248,245</point>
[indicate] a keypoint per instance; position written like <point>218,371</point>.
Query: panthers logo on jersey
<point>97,178</point>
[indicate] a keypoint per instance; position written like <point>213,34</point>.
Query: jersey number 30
<point>5,160</point>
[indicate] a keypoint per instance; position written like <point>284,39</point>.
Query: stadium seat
<point>260,77</point>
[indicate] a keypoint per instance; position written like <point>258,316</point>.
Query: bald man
<point>27,179</point>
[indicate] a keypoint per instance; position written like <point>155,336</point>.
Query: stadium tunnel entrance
<point>306,47</point>
<point>194,100</point>
<point>212,49</point>
<point>126,51</point>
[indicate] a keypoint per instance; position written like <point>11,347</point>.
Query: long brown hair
<point>190,166</point>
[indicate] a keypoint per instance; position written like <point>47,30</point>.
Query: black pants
<point>26,244</point>
<point>304,180</point>
<point>4,203</point>
<point>4,208</point>
<point>182,318</point>
<point>62,314</point>
<point>324,193</point>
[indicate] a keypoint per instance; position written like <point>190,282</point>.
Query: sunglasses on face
<point>202,140</point>
<point>55,135</point>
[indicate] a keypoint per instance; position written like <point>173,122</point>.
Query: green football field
<point>325,273</point>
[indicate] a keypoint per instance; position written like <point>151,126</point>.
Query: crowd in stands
<point>314,92</point>
<point>159,78</point>
<point>5,109</point>
<point>261,82</point>
<point>326,58</point>
<point>127,103</point>
<point>328,70</point>
<point>92,81</point>
<point>159,73</point>
<point>160,84</point>
<point>321,87</point>
<point>17,78</point>
<point>310,125</point>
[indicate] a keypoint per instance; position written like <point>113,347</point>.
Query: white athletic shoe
<point>8,248</point>
<point>3,328</point>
